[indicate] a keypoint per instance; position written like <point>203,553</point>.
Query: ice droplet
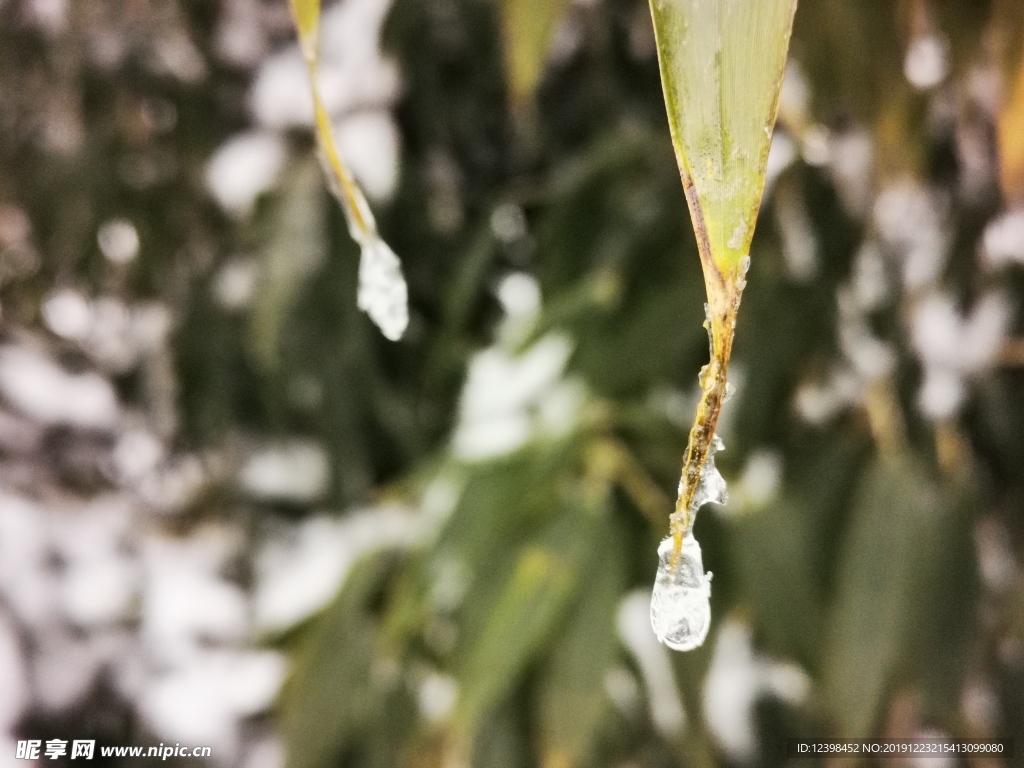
<point>681,601</point>
<point>383,294</point>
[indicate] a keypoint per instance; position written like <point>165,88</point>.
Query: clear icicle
<point>681,601</point>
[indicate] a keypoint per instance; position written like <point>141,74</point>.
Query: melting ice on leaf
<point>383,294</point>
<point>721,70</point>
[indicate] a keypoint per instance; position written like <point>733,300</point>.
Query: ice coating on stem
<point>382,294</point>
<point>681,601</point>
<point>711,487</point>
<point>382,291</point>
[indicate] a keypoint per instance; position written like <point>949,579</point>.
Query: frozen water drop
<point>383,294</point>
<point>730,390</point>
<point>681,601</point>
<point>703,375</point>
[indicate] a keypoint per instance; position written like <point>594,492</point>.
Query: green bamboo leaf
<point>908,536</point>
<point>333,696</point>
<point>773,548</point>
<point>521,620</point>
<point>526,612</point>
<point>293,252</point>
<point>721,68</point>
<point>528,27</point>
<point>571,698</point>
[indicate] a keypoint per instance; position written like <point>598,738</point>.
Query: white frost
<point>298,576</point>
<point>295,471</point>
<point>368,140</point>
<point>243,168</point>
<point>508,398</point>
<point>738,677</point>
<point>44,391</point>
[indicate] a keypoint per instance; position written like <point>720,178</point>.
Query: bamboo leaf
<point>571,698</point>
<point>332,696</point>
<point>307,22</point>
<point>383,294</point>
<point>294,251</point>
<point>908,535</point>
<point>721,68</point>
<point>527,611</point>
<point>521,621</point>
<point>528,27</point>
<point>1011,138</point>
<point>773,547</point>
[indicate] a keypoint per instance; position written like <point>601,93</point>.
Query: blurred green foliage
<point>862,565</point>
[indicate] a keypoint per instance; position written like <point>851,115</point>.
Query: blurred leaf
<point>333,694</point>
<point>519,623</point>
<point>939,650</point>
<point>504,502</point>
<point>852,54</point>
<point>528,26</point>
<point>307,22</point>
<point>721,68</point>
<point>1011,137</point>
<point>775,550</point>
<point>503,741</point>
<point>571,698</point>
<point>294,249</point>
<point>522,618</point>
<point>897,553</point>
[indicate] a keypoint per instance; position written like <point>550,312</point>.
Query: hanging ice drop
<point>681,601</point>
